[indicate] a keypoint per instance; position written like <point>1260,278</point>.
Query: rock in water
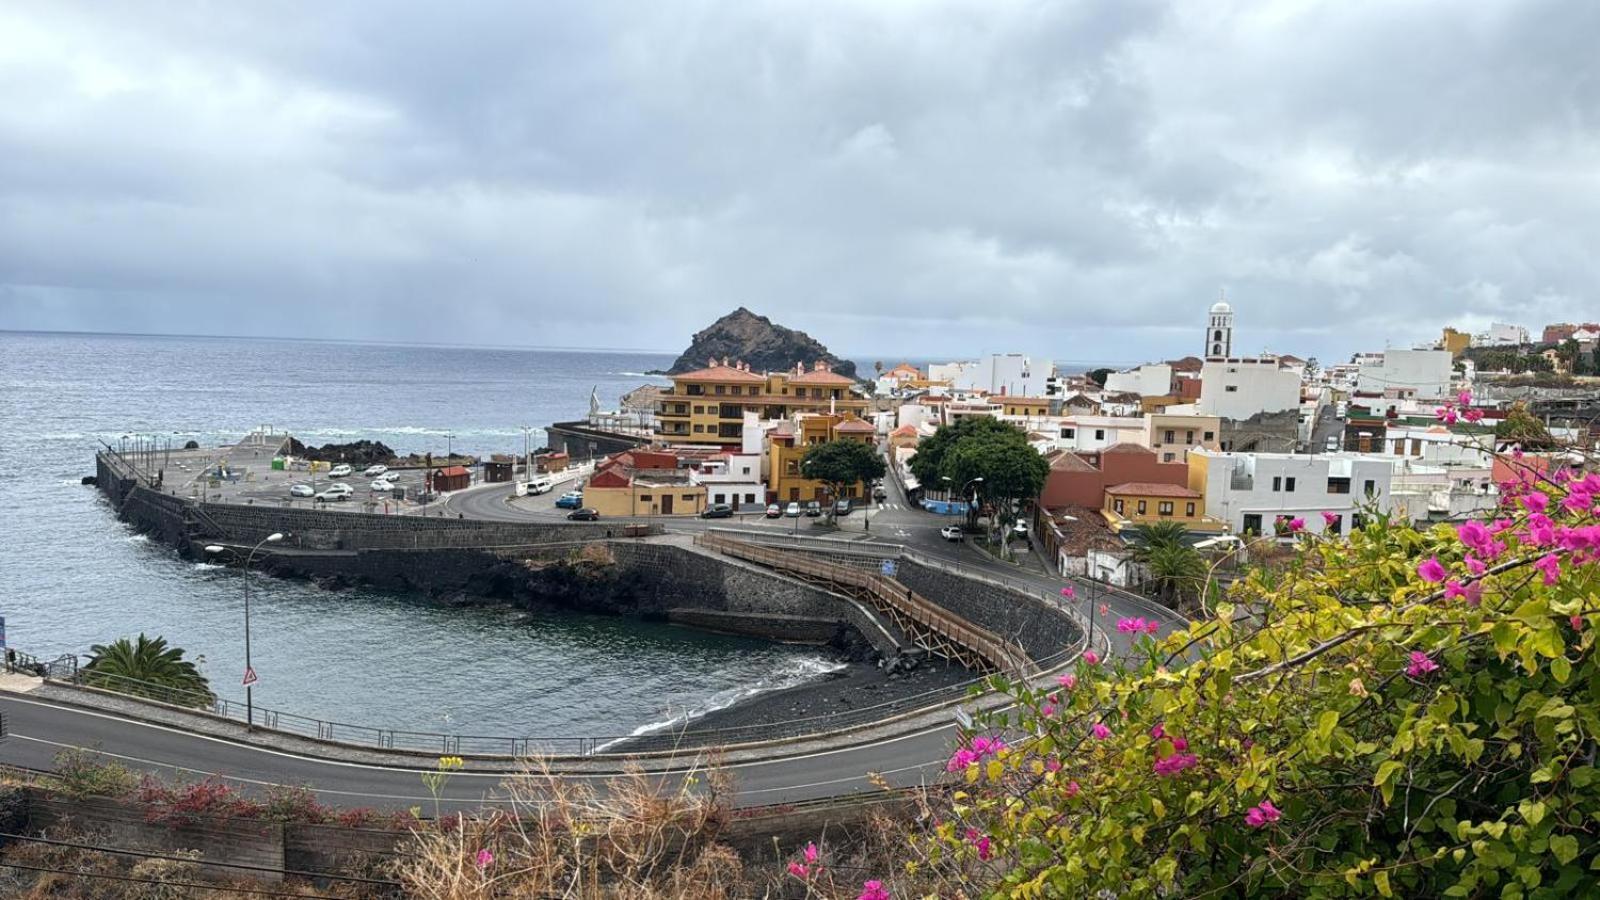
<point>744,336</point>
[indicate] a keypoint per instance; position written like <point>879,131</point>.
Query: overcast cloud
<point>926,179</point>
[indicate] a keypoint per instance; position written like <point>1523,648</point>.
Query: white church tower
<point>1219,330</point>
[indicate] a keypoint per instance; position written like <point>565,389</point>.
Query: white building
<point>1240,388</point>
<point>999,373</point>
<point>1091,433</point>
<point>1250,491</point>
<point>1148,380</point>
<point>1424,374</point>
<point>735,479</point>
<point>1501,335</point>
<point>1219,331</point>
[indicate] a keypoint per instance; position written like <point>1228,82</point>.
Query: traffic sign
<point>250,676</point>
<point>889,568</point>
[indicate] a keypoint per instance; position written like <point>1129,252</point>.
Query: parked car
<point>539,485</point>
<point>951,532</point>
<point>570,500</point>
<point>717,511</point>
<point>340,471</point>
<point>375,471</point>
<point>774,510</point>
<point>301,490</point>
<point>584,515</point>
<point>842,508</point>
<point>336,492</point>
<point>878,493</point>
<point>1332,445</point>
<point>792,510</point>
<point>1019,529</point>
<point>813,509</point>
<point>382,486</point>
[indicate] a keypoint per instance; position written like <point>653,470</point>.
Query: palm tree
<point>147,667</point>
<point>1176,569</point>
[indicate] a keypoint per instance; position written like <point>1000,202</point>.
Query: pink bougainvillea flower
<point>485,859</point>
<point>1474,535</point>
<point>1576,622</point>
<point>1068,592</point>
<point>799,871</point>
<point>1168,766</point>
<point>1152,626</point>
<point>1445,414</point>
<point>1100,731</point>
<point>1474,593</point>
<point>1431,570</point>
<point>1475,565</point>
<point>1577,502</point>
<point>1464,398</point>
<point>811,853</point>
<point>1180,744</point>
<point>1262,814</point>
<point>1421,664</point>
<point>1047,710</point>
<point>1068,681</point>
<point>1052,765</point>
<point>1550,565</point>
<point>1091,657</point>
<point>1453,589</point>
<point>1159,731</point>
<point>1472,415</point>
<point>873,890</point>
<point>1127,626</point>
<point>979,840</point>
<point>1330,519</point>
<point>1072,789</point>
<point>1535,501</point>
<point>1297,524</point>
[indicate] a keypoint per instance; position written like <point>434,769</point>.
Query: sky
<point>929,179</point>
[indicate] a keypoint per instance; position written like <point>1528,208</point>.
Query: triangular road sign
<point>250,676</point>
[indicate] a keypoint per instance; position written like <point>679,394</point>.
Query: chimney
<point>819,366</point>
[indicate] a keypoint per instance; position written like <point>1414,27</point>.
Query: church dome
<point>1221,308</point>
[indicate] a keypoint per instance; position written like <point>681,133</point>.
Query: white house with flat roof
<point>1240,388</point>
<point>1423,374</point>
<point>1016,374</point>
<point>1148,380</point>
<point>1250,491</point>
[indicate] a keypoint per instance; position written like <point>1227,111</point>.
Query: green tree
<point>840,464</point>
<point>1177,571</point>
<point>1523,428</point>
<point>1098,376</point>
<point>928,465</point>
<point>1012,472</point>
<point>1404,713</point>
<point>147,667</point>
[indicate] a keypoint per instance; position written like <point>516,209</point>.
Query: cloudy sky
<point>1072,179</point>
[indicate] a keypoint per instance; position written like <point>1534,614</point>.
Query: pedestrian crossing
<point>890,506</point>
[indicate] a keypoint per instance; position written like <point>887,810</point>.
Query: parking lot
<point>243,473</point>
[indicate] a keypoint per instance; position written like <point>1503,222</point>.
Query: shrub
<point>190,804</point>
<point>293,803</point>
<point>80,774</point>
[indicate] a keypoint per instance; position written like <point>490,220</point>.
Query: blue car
<point>570,500</point>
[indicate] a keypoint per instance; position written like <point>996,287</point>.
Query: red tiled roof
<point>1065,461</point>
<point>720,373</point>
<point>452,471</point>
<point>1152,489</point>
<point>1125,447</point>
<point>821,376</point>
<point>613,477</point>
<point>855,425</point>
<point>912,429</point>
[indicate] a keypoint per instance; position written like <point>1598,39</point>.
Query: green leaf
<point>1380,879</point>
<point>1327,722</point>
<point>1564,847</point>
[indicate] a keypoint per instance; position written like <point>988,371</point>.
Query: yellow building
<point>707,406</point>
<point>1172,437</point>
<point>1455,341</point>
<point>643,483</point>
<point>1144,503</point>
<point>788,443</point>
<point>1031,407</point>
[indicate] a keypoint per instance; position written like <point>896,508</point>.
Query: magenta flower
<point>485,859</point>
<point>1330,519</point>
<point>1167,766</point>
<point>1453,589</point>
<point>980,841</point>
<point>1068,592</point>
<point>1576,622</point>
<point>1100,731</point>
<point>1091,657</point>
<point>1475,565</point>
<point>1159,731</point>
<point>1550,565</point>
<point>811,853</point>
<point>873,890</point>
<point>1535,501</point>
<point>1445,414</point>
<point>1262,814</point>
<point>1421,664</point>
<point>1151,626</point>
<point>1431,570</point>
<point>1072,789</point>
<point>1068,681</point>
<point>1180,744</point>
<point>1472,415</point>
<point>1127,626</point>
<point>1464,398</point>
<point>1474,535</point>
<point>799,871</point>
<point>1297,524</point>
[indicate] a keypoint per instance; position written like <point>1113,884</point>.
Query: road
<point>38,730</point>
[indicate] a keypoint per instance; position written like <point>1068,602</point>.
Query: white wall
<point>1501,334</point>
<point>1148,380</point>
<point>998,373</point>
<point>1237,389</point>
<point>1427,372</point>
<point>1089,433</point>
<point>1241,484</point>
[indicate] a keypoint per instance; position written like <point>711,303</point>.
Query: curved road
<point>36,731</point>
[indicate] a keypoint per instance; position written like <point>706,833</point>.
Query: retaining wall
<point>1042,630</point>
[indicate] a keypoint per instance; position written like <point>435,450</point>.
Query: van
<point>540,485</point>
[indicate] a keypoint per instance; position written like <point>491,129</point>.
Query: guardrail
<point>949,634</point>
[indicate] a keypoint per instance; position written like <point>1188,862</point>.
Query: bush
<point>191,804</point>
<point>80,774</point>
<point>293,803</point>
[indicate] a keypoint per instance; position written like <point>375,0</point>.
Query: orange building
<point>707,406</point>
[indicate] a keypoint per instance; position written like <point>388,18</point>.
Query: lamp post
<point>527,452</point>
<point>249,691</point>
<point>971,502</point>
<point>449,447</point>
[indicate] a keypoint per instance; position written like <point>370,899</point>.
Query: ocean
<point>72,576</point>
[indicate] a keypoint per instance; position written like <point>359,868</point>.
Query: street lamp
<point>249,692</point>
<point>971,504</point>
<point>449,447</point>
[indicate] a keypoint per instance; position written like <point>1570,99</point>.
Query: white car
<point>340,471</point>
<point>336,492</point>
<point>951,532</point>
<point>301,490</point>
<point>382,486</point>
<point>375,471</point>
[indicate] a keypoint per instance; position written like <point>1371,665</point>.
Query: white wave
<point>206,567</point>
<point>638,375</point>
<point>808,669</point>
<point>63,436</point>
<point>137,538</point>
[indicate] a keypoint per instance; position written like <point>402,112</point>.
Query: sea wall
<point>1042,630</point>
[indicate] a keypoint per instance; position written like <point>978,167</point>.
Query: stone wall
<point>314,529</point>
<point>1043,630</point>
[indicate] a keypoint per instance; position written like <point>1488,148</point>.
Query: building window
<point>1369,487</point>
<point>749,498</point>
<point>644,498</point>
<point>699,429</point>
<point>699,409</point>
<point>1337,525</point>
<point>1069,432</point>
<point>688,497</point>
<point>1188,509</point>
<point>1211,436</point>
<point>1338,485</point>
<point>720,498</point>
<point>1232,388</point>
<point>1117,505</point>
<point>1166,457</point>
<point>1164,508</point>
<point>1099,434</point>
<point>1188,436</point>
<point>1143,507</point>
<point>1171,435</point>
<point>1277,484</point>
<point>1288,484</point>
